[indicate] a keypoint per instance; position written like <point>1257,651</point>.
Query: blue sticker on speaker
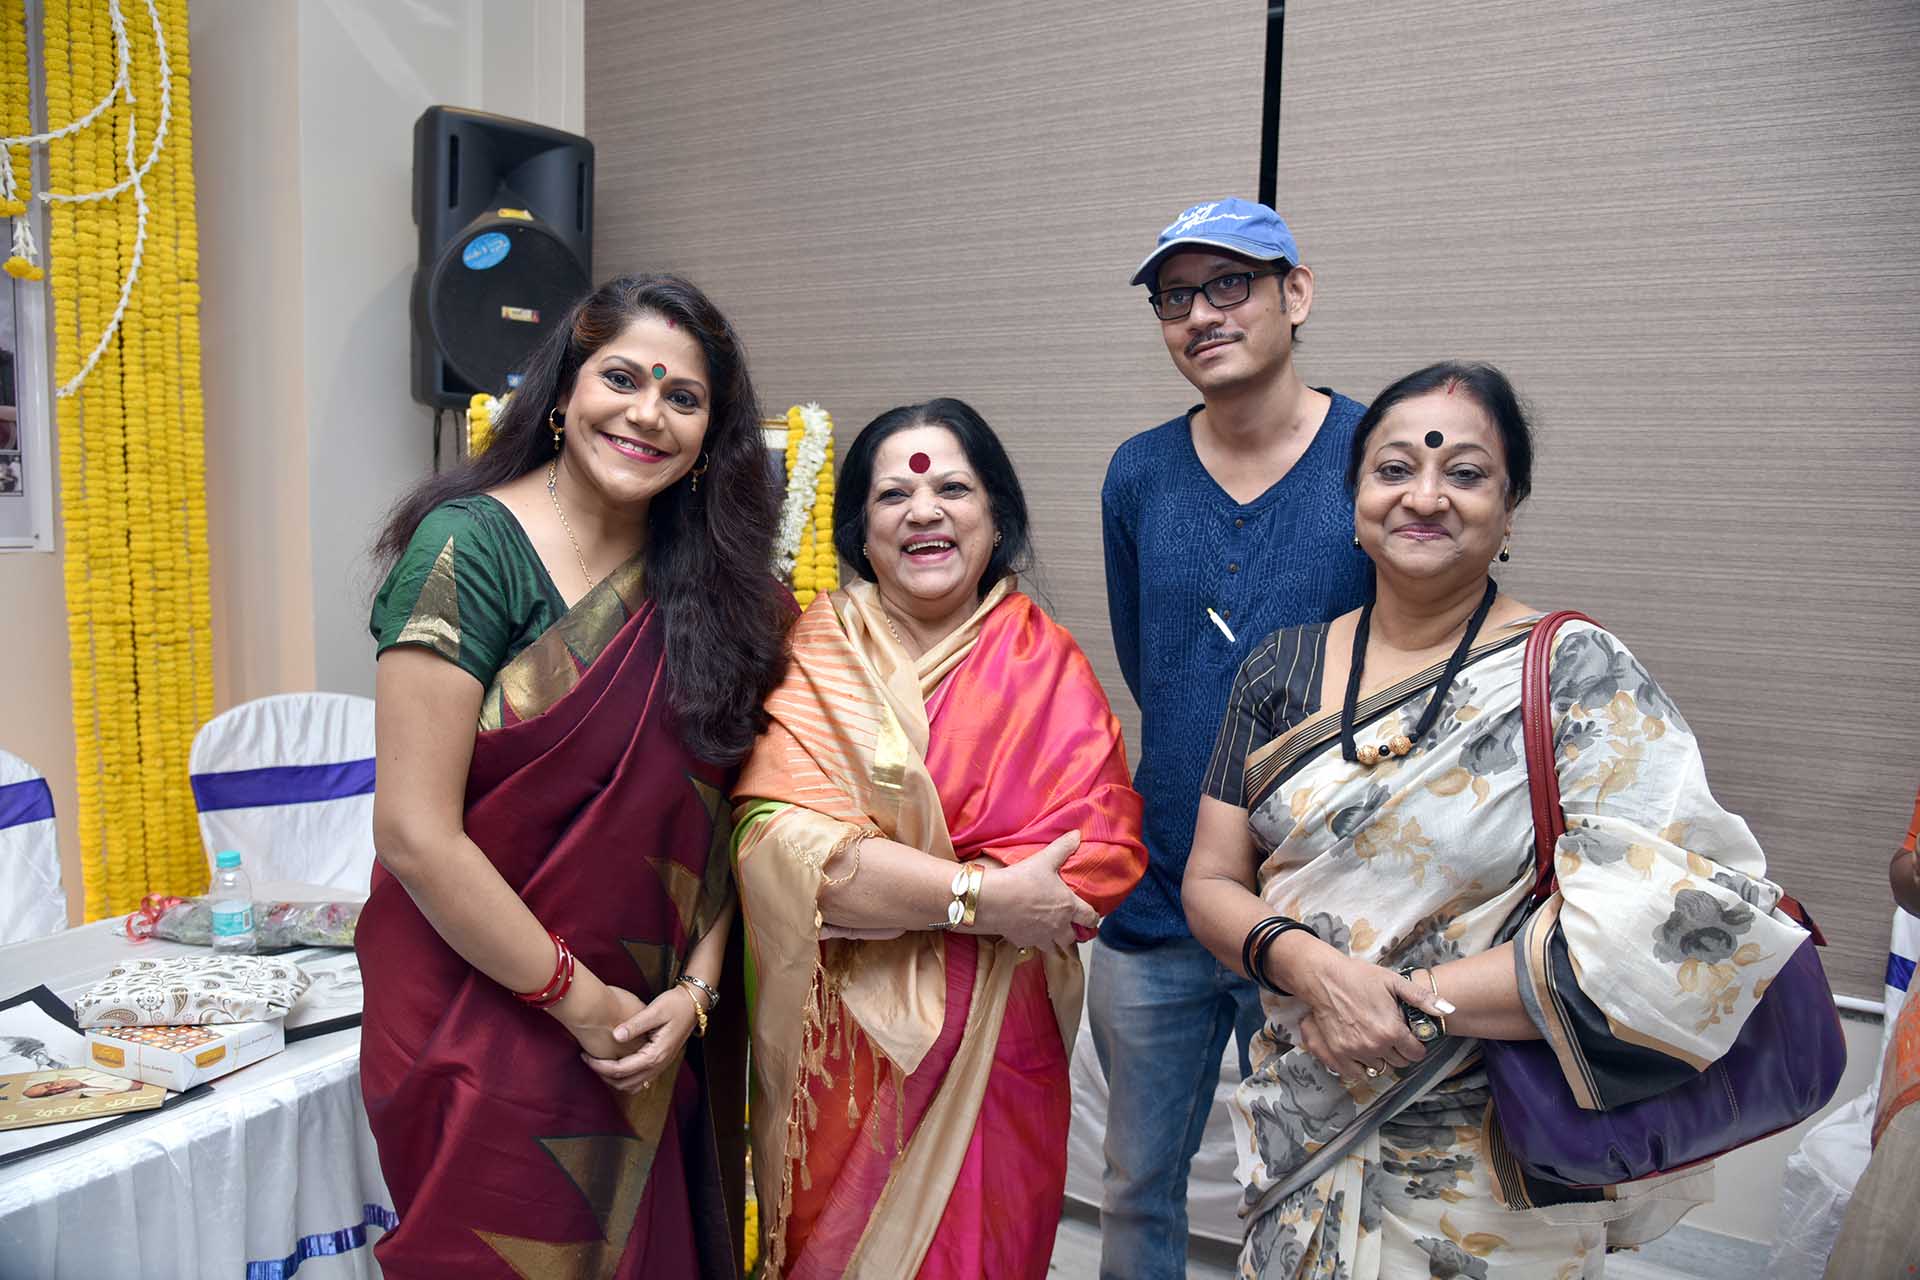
<point>483,251</point>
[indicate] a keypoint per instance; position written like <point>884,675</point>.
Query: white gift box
<point>179,1058</point>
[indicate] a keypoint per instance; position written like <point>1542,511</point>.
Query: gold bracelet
<point>699,1012</point>
<point>855,839</point>
<point>1433,985</point>
<point>976,875</point>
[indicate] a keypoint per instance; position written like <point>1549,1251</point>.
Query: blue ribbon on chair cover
<point>29,801</point>
<point>282,784</point>
<point>1899,969</point>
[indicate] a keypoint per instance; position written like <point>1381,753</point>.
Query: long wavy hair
<point>709,553</point>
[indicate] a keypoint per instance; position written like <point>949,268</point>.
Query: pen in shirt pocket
<point>1221,623</point>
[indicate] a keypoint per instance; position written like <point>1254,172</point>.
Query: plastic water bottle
<point>232,894</point>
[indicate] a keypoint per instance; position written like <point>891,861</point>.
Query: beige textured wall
<point>896,201</point>
<point>1687,232</point>
<point>1684,230</point>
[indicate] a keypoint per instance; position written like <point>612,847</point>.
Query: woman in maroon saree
<point>576,635</point>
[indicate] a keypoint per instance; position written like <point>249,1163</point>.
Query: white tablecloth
<point>274,1170</point>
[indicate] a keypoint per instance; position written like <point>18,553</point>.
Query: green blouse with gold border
<point>470,587</point>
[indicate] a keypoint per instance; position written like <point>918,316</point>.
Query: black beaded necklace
<point>1400,744</point>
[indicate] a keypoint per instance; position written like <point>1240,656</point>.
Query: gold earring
<point>699,470</point>
<point>1505,555</point>
<point>556,425</point>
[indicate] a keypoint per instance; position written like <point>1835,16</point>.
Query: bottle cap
<point>226,858</point>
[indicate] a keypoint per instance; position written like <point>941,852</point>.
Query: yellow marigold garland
<point>816,567</point>
<point>132,454</point>
<point>482,411</point>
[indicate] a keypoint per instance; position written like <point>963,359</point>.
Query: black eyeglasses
<point>1229,290</point>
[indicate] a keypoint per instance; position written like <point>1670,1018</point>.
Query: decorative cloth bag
<point>191,990</point>
<point>1783,1066</point>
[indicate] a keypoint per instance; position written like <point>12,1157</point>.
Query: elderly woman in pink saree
<point>939,809</point>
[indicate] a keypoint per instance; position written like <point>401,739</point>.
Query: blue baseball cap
<point>1235,225</point>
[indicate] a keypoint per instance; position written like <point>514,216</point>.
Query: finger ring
<point>1372,1072</point>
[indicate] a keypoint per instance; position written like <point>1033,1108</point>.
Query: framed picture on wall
<point>26,377</point>
<point>26,409</point>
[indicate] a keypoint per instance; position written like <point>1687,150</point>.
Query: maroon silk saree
<point>505,1154</point>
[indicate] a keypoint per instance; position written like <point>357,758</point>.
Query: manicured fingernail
<point>1445,1007</point>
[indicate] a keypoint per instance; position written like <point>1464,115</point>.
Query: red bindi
<point>919,462</point>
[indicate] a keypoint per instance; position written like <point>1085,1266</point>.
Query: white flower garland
<point>24,264</point>
<point>801,486</point>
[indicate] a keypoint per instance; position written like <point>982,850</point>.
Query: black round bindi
<point>1435,439</point>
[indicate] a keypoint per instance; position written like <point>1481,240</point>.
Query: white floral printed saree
<point>1639,972</point>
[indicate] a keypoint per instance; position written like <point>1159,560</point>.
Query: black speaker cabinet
<point>505,213</point>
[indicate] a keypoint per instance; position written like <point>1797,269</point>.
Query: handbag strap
<point>1536,727</point>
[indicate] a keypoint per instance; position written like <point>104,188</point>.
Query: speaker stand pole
<point>437,414</point>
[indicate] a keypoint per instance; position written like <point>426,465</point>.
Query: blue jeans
<point>1160,1020</point>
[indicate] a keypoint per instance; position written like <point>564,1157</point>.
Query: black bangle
<point>1253,951</point>
<point>1247,944</point>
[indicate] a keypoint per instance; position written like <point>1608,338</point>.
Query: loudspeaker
<point>505,214</point>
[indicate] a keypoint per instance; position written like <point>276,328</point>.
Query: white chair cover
<point>1822,1172</point>
<point>32,903</point>
<point>288,781</point>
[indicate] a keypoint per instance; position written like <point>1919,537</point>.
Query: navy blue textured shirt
<point>1177,544</point>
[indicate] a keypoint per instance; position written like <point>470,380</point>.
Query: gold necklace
<point>553,492</point>
<point>888,619</point>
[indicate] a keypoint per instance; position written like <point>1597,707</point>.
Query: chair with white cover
<point>288,781</point>
<point>32,901</point>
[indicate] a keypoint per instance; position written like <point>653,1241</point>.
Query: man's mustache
<point>1211,335</point>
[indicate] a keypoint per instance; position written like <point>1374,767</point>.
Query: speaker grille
<point>488,309</point>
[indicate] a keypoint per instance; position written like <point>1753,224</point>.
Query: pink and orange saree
<point>910,1096</point>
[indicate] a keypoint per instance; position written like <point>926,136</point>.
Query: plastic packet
<point>280,926</point>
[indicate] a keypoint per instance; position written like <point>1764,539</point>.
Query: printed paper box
<point>180,1057</point>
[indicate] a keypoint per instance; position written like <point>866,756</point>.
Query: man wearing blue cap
<point>1222,526</point>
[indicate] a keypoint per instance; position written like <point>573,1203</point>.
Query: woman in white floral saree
<point>1359,855</point>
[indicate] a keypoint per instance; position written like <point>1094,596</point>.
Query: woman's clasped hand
<point>1028,903</point>
<point>1356,1025</point>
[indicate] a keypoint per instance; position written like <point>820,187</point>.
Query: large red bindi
<point>919,462</point>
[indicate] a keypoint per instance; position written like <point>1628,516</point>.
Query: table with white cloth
<point>272,1169</point>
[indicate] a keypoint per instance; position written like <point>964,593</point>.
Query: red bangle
<point>557,986</point>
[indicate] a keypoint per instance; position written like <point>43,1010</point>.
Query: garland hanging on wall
<point>803,552</point>
<point>122,268</point>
